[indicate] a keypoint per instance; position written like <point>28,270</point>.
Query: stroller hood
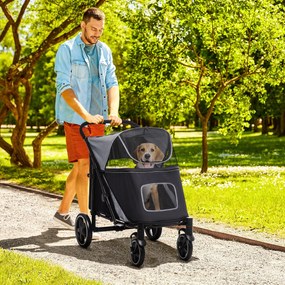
<point>124,144</point>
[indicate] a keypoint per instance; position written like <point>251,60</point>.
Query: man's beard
<point>90,40</point>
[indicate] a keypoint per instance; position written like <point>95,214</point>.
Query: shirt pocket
<point>80,69</point>
<point>103,67</point>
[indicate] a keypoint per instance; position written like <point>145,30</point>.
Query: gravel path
<point>27,227</point>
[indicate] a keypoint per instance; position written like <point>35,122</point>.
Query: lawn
<point>244,186</point>
<point>16,268</point>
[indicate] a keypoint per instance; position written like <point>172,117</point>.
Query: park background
<point>210,72</point>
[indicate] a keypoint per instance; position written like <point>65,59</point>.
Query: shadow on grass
<point>44,179</point>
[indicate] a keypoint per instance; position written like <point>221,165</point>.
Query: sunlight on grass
<point>29,271</point>
<point>251,197</point>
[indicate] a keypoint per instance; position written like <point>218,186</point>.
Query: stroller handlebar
<point>105,122</point>
<point>124,122</point>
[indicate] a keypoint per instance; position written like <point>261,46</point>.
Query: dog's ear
<point>136,152</point>
<point>159,154</point>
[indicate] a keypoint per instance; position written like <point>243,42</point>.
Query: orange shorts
<point>75,145</point>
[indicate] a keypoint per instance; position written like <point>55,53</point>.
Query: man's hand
<point>115,120</point>
<point>95,119</point>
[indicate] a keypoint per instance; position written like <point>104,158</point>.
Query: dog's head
<point>146,153</point>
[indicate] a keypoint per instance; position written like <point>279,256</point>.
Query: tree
<point>25,36</point>
<point>213,48</point>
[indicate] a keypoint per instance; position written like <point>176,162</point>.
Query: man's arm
<point>71,99</point>
<point>113,103</point>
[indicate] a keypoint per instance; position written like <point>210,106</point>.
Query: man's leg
<point>70,190</point>
<point>82,190</point>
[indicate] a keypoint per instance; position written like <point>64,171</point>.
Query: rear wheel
<point>184,247</point>
<point>83,230</point>
<point>153,233</point>
<point>137,251</point>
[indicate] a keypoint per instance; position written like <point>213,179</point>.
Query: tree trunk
<point>264,125</point>
<point>204,168</point>
<point>6,146</point>
<point>19,155</point>
<point>282,123</point>
<point>37,144</point>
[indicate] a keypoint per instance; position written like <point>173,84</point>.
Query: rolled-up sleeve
<point>111,78</point>
<point>63,69</point>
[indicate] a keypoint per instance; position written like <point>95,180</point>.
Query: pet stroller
<point>118,191</point>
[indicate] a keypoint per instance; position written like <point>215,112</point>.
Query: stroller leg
<point>140,235</point>
<point>189,228</point>
<point>185,240</point>
<point>93,220</point>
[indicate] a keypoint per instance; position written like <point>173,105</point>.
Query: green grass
<point>252,198</point>
<point>19,269</point>
<point>253,149</point>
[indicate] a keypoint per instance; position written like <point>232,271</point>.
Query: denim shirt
<point>72,67</point>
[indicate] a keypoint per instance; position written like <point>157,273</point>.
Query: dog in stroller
<point>148,154</point>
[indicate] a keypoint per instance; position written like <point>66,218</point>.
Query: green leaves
<point>228,40</point>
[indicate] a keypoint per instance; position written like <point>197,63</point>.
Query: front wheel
<point>184,247</point>
<point>153,233</point>
<point>137,252</point>
<point>83,230</point>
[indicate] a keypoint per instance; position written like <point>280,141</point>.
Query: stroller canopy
<point>124,144</point>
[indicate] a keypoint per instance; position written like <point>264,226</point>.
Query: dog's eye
<point>142,149</point>
<point>152,150</point>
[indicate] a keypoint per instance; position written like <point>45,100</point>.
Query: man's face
<point>92,31</point>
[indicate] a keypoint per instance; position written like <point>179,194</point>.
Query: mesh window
<point>159,197</point>
<point>142,148</point>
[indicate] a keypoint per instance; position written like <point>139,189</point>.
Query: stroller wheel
<point>83,230</point>
<point>137,252</point>
<point>153,233</point>
<point>184,247</point>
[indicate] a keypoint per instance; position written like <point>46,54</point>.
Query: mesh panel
<point>152,142</point>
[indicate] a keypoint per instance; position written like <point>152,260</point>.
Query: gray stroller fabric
<point>124,144</point>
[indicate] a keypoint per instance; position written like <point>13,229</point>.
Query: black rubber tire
<point>83,230</point>
<point>153,233</point>
<point>184,247</point>
<point>137,253</point>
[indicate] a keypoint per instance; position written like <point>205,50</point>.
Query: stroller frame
<point>84,227</point>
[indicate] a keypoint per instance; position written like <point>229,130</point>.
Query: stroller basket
<point>131,189</point>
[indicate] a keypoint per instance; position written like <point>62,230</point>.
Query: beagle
<point>148,154</point>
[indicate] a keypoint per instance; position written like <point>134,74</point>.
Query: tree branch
<point>100,2</point>
<point>30,60</point>
<point>4,32</point>
<point>198,94</point>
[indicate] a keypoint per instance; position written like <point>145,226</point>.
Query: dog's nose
<point>147,156</point>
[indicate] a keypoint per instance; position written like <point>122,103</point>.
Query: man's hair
<point>95,13</point>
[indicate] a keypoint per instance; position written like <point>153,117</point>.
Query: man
<point>87,90</point>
